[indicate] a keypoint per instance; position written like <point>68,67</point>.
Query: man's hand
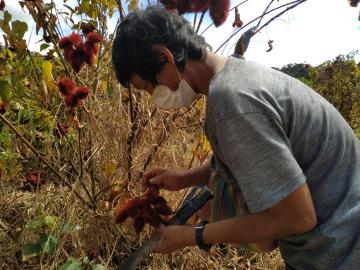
<point>163,178</point>
<point>174,181</point>
<point>293,215</point>
<point>175,237</point>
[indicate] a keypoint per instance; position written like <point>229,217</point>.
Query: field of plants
<point>74,144</point>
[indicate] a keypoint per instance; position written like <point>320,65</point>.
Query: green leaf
<point>36,223</point>
<point>86,260</point>
<point>70,8</point>
<point>49,6</point>
<point>71,264</point>
<point>44,46</point>
<point>51,222</point>
<point>4,90</point>
<point>48,243</point>
<point>98,267</point>
<point>22,4</point>
<point>30,250</point>
<point>19,28</point>
<point>7,17</point>
<point>65,227</point>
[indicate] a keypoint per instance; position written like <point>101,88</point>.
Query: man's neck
<point>200,72</point>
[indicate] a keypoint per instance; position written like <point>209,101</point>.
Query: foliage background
<point>112,138</point>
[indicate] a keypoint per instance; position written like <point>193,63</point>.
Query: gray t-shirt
<point>270,134</point>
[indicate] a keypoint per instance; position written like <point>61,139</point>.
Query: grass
<point>97,233</point>
<point>163,139</point>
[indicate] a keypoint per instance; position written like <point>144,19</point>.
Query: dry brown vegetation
<point>113,137</point>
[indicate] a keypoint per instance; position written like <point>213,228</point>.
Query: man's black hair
<point>133,48</point>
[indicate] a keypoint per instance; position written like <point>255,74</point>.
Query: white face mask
<point>164,98</point>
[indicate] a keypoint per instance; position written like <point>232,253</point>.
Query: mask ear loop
<point>178,73</point>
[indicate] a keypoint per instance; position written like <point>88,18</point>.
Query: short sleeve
<point>257,152</point>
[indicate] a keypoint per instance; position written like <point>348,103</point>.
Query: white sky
<point>313,32</point>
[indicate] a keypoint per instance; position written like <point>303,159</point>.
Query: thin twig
<point>132,133</point>
<point>118,2</point>
<point>200,21</point>
<point>195,18</point>
<point>160,141</point>
<point>278,15</point>
<point>243,2</point>
<point>266,9</point>
<point>297,2</point>
<point>53,40</point>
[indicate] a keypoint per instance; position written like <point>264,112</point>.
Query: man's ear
<point>166,55</point>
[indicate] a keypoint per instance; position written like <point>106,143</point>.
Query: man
<point>288,151</point>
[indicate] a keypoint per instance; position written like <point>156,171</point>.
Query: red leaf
<point>237,22</point>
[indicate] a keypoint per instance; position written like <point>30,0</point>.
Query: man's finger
<point>156,181</point>
<point>148,175</point>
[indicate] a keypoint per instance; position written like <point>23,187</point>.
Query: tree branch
<point>297,2</point>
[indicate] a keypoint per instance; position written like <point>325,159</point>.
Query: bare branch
<point>296,3</point>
